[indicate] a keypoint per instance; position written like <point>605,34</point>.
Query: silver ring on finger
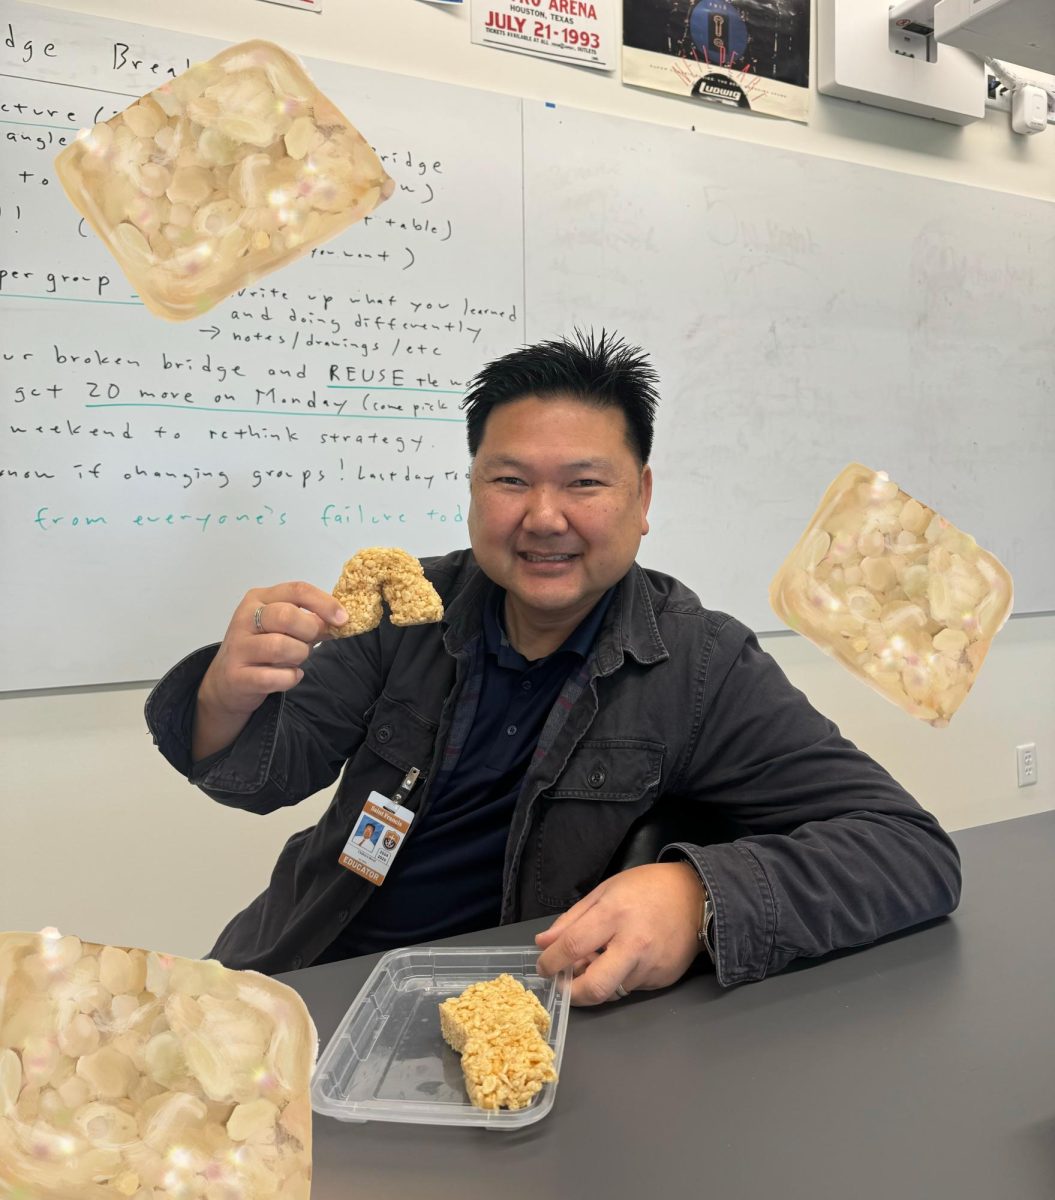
<point>621,992</point>
<point>257,621</point>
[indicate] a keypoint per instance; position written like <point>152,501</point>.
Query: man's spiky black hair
<point>600,370</point>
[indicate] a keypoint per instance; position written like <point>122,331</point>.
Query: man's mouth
<point>546,558</point>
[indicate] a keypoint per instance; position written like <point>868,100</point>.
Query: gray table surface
<point>921,1068</point>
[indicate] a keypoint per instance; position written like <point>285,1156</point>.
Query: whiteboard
<point>804,313</point>
<point>196,443</point>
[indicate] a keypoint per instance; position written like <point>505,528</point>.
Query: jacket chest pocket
<point>588,811</point>
<point>397,739</point>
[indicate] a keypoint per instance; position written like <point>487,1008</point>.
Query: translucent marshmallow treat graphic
<point>895,592</point>
<point>127,1073</point>
<point>233,169</point>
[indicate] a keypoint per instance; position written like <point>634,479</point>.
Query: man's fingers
<point>271,679</point>
<point>277,650</point>
<point>582,964</point>
<point>300,595</point>
<point>577,938</point>
<point>598,982</point>
<point>548,936</point>
<point>288,619</point>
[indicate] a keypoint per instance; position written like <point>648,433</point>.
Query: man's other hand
<point>637,931</point>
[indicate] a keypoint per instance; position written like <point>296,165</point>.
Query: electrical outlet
<point>1027,764</point>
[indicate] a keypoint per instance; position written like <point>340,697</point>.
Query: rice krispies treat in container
<point>233,169</point>
<point>895,592</point>
<point>129,1073</point>
<point>499,1028</point>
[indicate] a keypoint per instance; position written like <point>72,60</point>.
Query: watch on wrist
<point>703,934</point>
<point>704,930</point>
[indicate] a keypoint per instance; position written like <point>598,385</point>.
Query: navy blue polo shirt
<point>447,879</point>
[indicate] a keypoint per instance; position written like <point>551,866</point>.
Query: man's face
<point>368,831</point>
<point>559,504</point>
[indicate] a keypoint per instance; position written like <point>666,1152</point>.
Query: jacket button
<point>596,777</point>
<point>384,733</point>
<point>297,962</point>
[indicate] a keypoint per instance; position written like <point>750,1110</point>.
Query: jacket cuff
<point>169,709</point>
<point>244,767</point>
<point>239,768</point>
<point>745,922</point>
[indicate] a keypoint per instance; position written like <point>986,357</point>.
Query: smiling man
<point>570,704</point>
<point>554,530</point>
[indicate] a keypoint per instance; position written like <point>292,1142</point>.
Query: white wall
<point>98,836</point>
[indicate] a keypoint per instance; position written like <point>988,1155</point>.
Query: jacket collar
<point>629,628</point>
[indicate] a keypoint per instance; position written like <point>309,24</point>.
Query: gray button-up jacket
<point>678,710</point>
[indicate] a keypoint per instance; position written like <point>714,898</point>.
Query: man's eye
<point>508,479</point>
<point>587,483</point>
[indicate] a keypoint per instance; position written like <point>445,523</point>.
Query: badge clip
<point>404,789</point>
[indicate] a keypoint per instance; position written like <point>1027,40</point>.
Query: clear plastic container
<point>387,1060</point>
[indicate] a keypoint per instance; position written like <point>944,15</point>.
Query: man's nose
<point>545,514</point>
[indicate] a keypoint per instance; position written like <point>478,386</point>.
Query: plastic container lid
<point>387,1060</point>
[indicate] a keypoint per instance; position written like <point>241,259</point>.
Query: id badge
<point>376,838</point>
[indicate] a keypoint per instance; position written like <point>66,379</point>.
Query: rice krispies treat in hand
<point>396,576</point>
<point>499,1029</point>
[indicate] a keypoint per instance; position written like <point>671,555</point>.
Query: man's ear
<point>646,496</point>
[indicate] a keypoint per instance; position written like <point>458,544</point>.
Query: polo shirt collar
<point>628,626</point>
<point>580,641</point>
